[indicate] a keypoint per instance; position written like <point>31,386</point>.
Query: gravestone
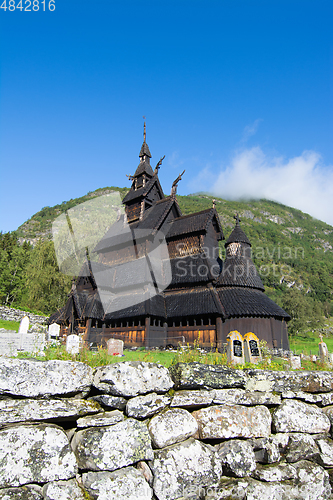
<point>295,362</point>
<point>115,346</point>
<point>24,325</point>
<point>13,342</point>
<point>54,330</point>
<point>252,350</point>
<point>323,351</point>
<point>235,350</point>
<point>73,344</point>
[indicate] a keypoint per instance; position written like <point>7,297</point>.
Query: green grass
<point>309,344</point>
<point>166,358</point>
<point>9,325</point>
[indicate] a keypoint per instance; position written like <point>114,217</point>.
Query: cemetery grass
<point>10,325</point>
<point>309,344</point>
<point>166,358</point>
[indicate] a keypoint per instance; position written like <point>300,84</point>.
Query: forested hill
<point>292,250</point>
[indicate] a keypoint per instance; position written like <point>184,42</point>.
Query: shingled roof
<point>144,190</point>
<point>192,223</point>
<point>238,301</point>
<point>237,235</point>
<point>238,268</point>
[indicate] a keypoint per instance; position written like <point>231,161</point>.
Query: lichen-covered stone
<point>110,402</point>
<point>106,418</point>
<point>282,381</point>
<point>301,446</point>
<point>132,378</point>
<point>326,452</point>
<point>24,410</point>
<point>326,398</point>
<point>184,470</point>
<point>308,397</point>
<point>35,453</point>
<point>237,457</point>
<point>328,411</point>
<point>201,376</point>
<point>268,450</point>
<point>64,490</point>
<point>112,447</point>
<point>296,416</point>
<point>23,493</point>
<point>279,472</point>
<point>248,398</point>
<point>228,421</point>
<point>31,379</point>
<point>123,484</point>
<point>192,399</point>
<point>145,471</point>
<point>171,427</point>
<point>146,406</point>
<point>311,482</point>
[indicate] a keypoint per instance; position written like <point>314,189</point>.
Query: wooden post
<point>147,331</point>
<point>219,340</point>
<point>86,334</point>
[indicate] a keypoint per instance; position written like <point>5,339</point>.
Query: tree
<point>46,287</point>
<point>306,314</point>
<point>13,261</point>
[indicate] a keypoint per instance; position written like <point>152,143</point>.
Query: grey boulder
<point>112,447</point>
<point>64,490</point>
<point>146,406</point>
<point>171,427</point>
<point>296,416</point>
<point>229,421</point>
<point>31,379</point>
<point>132,378</point>
<point>237,457</point>
<point>184,470</point>
<point>24,448</point>
<point>123,484</point>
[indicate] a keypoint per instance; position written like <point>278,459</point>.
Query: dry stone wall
<point>11,314</point>
<point>137,430</point>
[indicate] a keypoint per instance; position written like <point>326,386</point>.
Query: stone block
<point>230,421</point>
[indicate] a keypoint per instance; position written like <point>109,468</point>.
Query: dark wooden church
<point>205,297</point>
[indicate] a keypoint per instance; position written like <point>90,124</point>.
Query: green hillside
<point>292,250</point>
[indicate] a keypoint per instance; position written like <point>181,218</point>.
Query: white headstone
<point>54,330</point>
<point>73,344</point>
<point>24,325</point>
<point>115,346</point>
<point>295,362</point>
<point>235,350</point>
<point>323,352</point>
<point>251,348</point>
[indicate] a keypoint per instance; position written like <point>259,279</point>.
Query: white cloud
<point>250,130</point>
<point>302,182</point>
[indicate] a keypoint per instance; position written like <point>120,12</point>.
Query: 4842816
<point>28,5</point>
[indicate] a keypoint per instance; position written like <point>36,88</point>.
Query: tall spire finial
<point>237,219</point>
<point>144,129</point>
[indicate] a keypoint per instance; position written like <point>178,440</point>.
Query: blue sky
<point>237,92</point>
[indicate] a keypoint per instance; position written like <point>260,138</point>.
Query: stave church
<point>159,280</point>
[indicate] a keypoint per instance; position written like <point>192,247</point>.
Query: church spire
<point>144,152</point>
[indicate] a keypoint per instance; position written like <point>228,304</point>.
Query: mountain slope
<point>291,249</point>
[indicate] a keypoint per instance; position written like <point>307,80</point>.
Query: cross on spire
<point>238,220</point>
<point>144,129</point>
